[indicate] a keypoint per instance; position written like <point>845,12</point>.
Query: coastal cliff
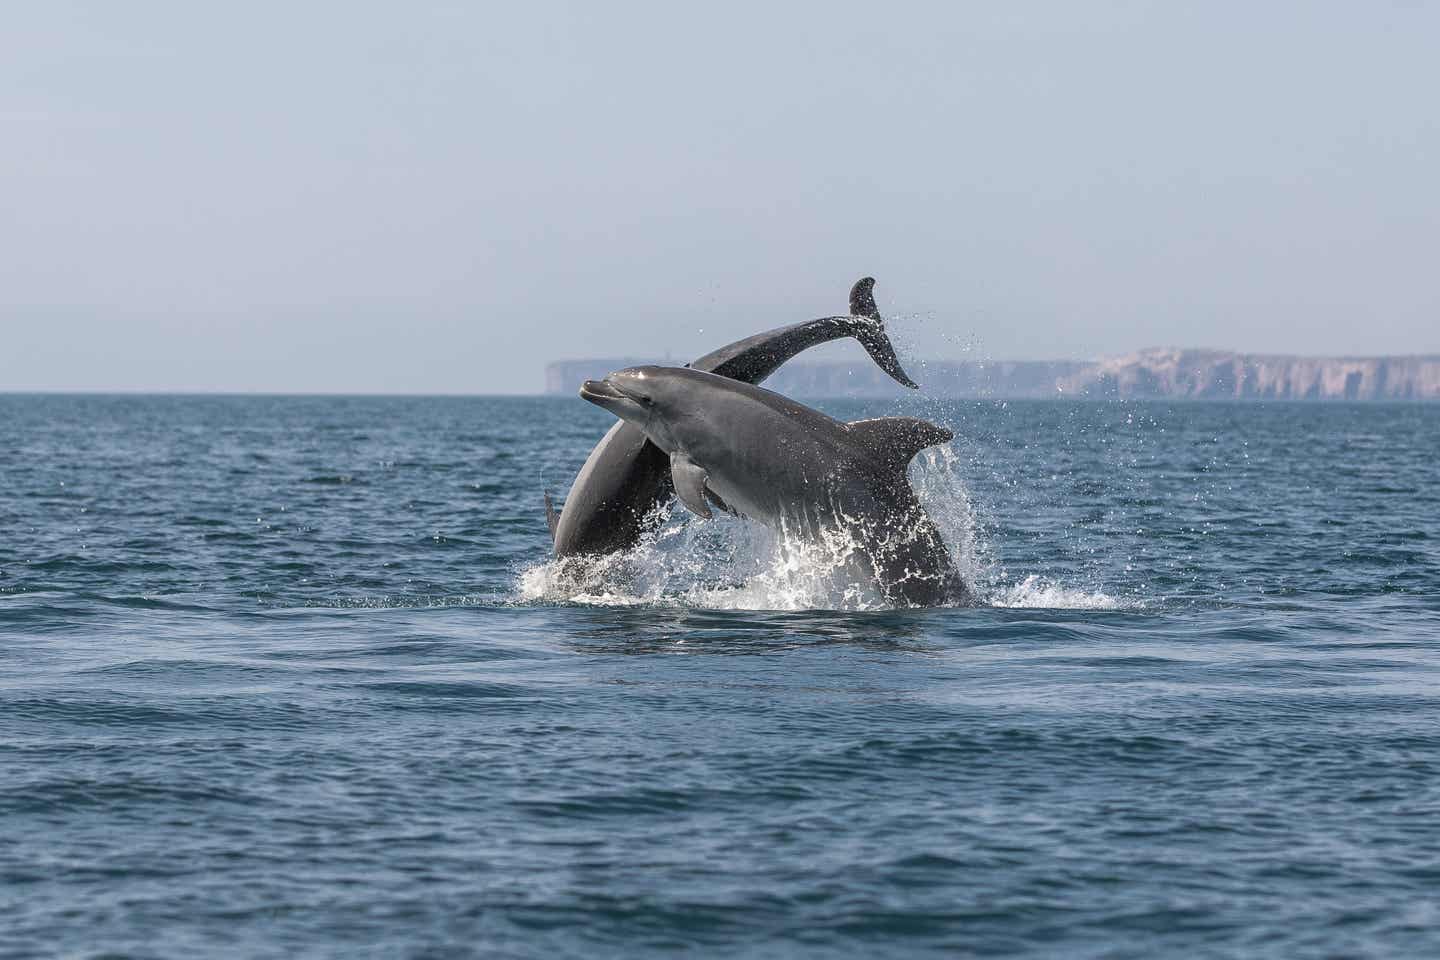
<point>1223,375</point>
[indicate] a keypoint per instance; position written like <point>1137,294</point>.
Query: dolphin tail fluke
<point>872,336</point>
<point>552,516</point>
<point>862,299</point>
<point>877,343</point>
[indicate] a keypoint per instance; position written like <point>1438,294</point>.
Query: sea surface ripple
<point>292,676</point>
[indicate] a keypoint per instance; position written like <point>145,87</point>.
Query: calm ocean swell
<point>289,676</point>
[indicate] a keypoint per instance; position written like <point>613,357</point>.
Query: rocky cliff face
<point>1162,373</point>
<point>1215,374</point>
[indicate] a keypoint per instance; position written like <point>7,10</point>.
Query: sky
<point>443,197</point>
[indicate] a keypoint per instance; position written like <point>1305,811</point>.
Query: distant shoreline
<point>1162,373</point>
<point>1156,374</point>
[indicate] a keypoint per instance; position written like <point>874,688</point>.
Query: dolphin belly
<point>623,480</point>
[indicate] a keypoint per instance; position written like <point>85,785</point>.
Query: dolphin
<point>749,451</point>
<point>626,476</point>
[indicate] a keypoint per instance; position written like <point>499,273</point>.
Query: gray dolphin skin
<point>755,453</point>
<point>626,476</point>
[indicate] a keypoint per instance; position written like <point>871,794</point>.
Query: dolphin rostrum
<point>750,451</point>
<point>626,476</point>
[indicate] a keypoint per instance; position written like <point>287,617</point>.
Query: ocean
<point>294,676</point>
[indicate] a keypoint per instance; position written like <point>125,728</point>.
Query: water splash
<point>725,563</point>
<point>936,475</point>
<point>733,564</point>
<point>1038,592</point>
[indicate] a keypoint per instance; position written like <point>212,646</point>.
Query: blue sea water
<point>292,676</point>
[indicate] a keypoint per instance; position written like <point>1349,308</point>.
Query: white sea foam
<point>725,563</point>
<point>733,564</point>
<point>1037,592</point>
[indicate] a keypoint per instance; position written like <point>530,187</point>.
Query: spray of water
<point>734,564</point>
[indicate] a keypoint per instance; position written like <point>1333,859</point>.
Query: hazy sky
<point>441,197</point>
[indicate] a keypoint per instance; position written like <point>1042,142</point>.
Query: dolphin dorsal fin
<point>896,440</point>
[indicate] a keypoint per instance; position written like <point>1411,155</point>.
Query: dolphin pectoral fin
<point>894,441</point>
<point>552,516</point>
<point>689,479</point>
<point>719,503</point>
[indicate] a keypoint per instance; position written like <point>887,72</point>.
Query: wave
<point>1037,592</point>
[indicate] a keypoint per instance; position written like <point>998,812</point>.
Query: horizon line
<point>1430,355</point>
<point>145,392</point>
<point>994,398</point>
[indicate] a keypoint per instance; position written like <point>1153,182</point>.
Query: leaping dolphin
<point>753,452</point>
<point>626,475</point>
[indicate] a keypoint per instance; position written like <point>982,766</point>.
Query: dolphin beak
<point>610,396</point>
<point>599,391</point>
